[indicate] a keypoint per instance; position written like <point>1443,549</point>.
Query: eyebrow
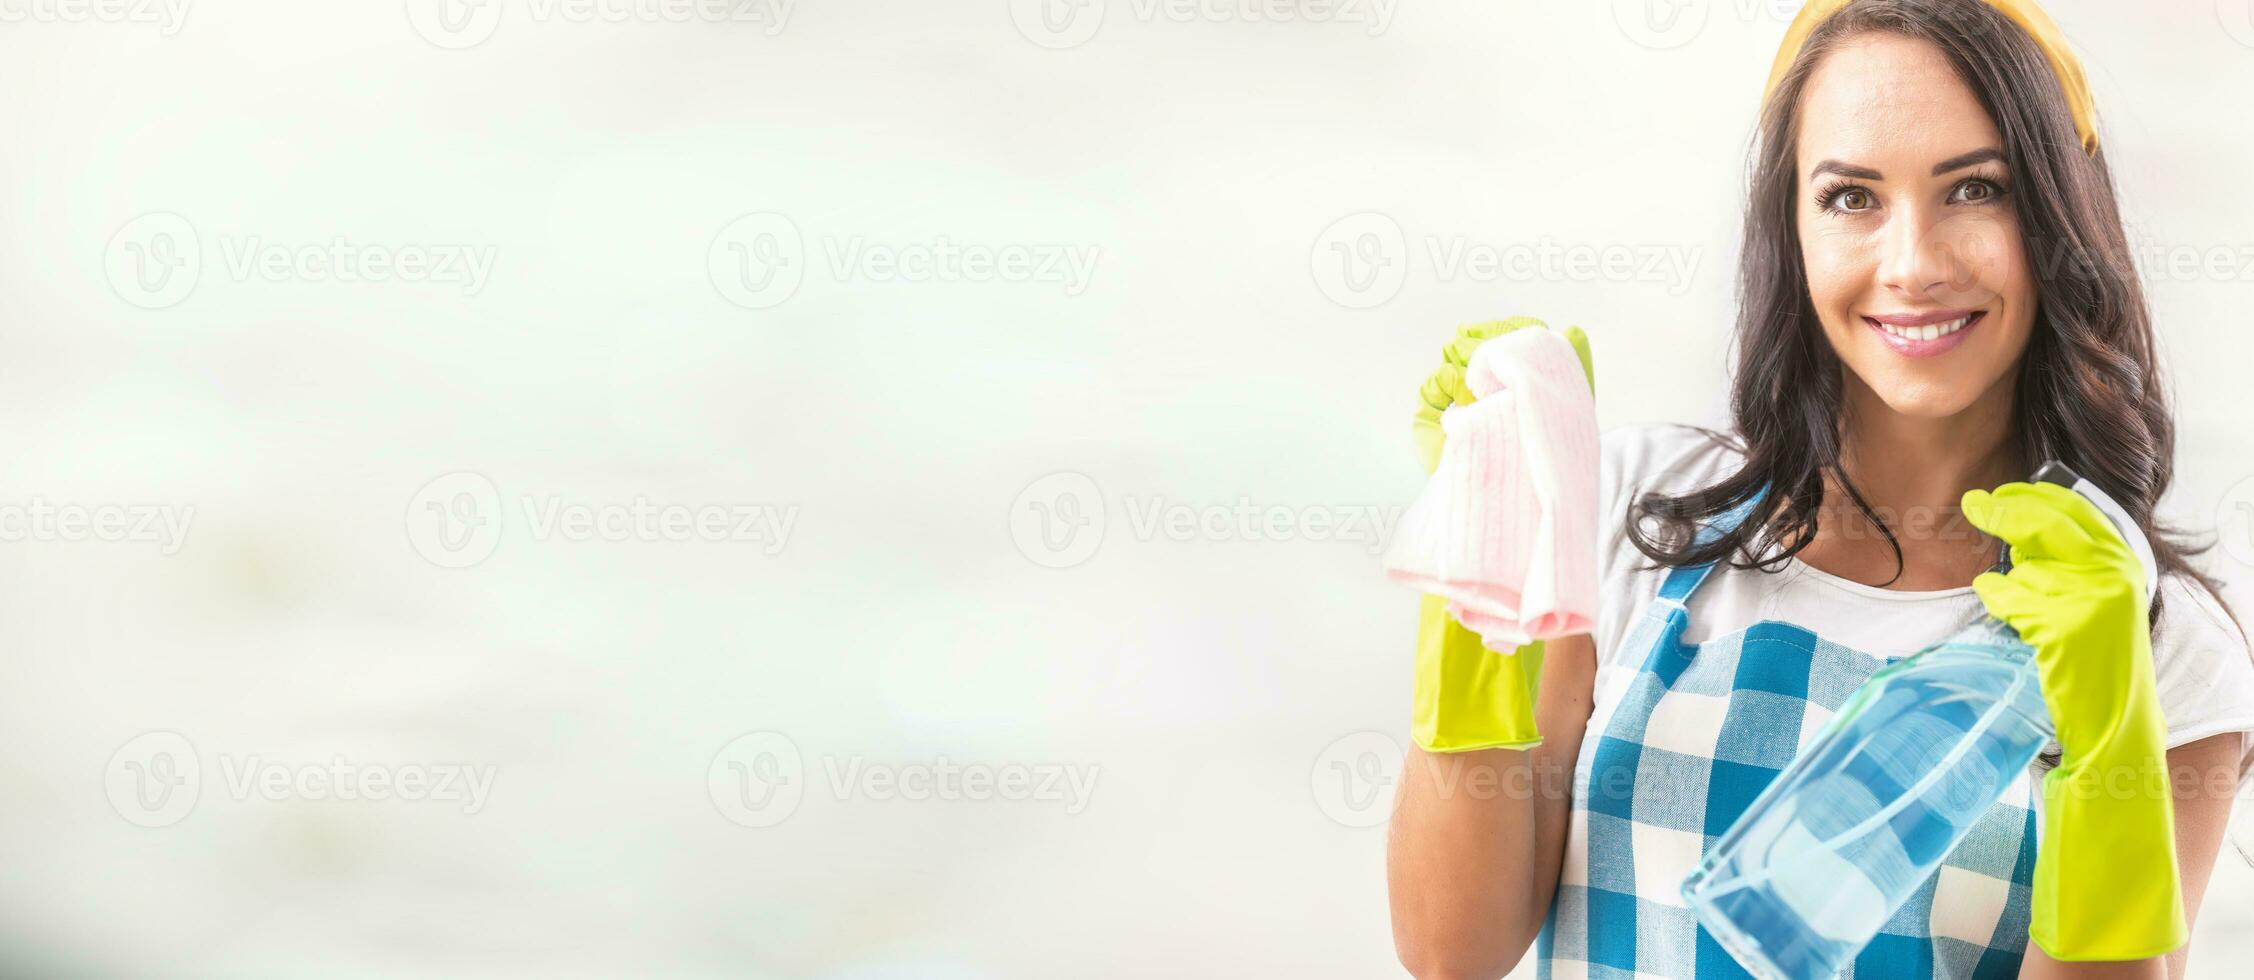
<point>1958,162</point>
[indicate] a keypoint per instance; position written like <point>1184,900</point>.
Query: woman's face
<point>1906,228</point>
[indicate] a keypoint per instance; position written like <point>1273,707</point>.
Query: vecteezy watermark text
<point>1060,24</point>
<point>758,780</point>
<point>1060,520</point>
<point>1355,778</point>
<point>1663,24</point>
<point>946,780</point>
<point>758,261</point>
<point>459,24</point>
<point>157,778</point>
<point>40,520</point>
<point>942,260</point>
<point>340,260</point>
<point>341,779</point>
<point>1153,516</point>
<point>455,521</point>
<point>167,15</point>
<point>1362,260</point>
<point>641,519</point>
<point>157,259</point>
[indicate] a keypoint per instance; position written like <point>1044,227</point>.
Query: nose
<point>1921,258</point>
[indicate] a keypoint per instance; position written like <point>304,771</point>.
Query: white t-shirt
<point>2202,664</point>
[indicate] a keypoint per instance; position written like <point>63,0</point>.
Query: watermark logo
<point>1058,24</point>
<point>251,257</point>
<point>2159,262</point>
<point>1057,521</point>
<point>1353,778</point>
<point>47,522</point>
<point>945,780</point>
<point>2234,521</point>
<point>2237,17</point>
<point>1660,24</point>
<point>154,779</point>
<point>341,780</point>
<point>757,779</point>
<point>1972,256</point>
<point>1664,24</point>
<point>154,260</point>
<point>854,258</point>
<point>454,521</point>
<point>1152,516</point>
<point>757,261</point>
<point>1361,260</point>
<point>1060,520</point>
<point>454,24</point>
<point>167,15</point>
<point>461,24</point>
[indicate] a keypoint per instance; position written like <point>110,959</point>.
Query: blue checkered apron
<point>1675,751</point>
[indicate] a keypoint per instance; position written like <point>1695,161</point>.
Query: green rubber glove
<point>1467,697</point>
<point>2105,865</point>
<point>1446,386</point>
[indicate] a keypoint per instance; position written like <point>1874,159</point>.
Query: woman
<point>1936,298</point>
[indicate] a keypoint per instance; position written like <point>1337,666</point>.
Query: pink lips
<point>1926,348</point>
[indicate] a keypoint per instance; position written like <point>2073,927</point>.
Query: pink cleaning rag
<point>1506,528</point>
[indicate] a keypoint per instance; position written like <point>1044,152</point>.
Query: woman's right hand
<point>1472,874</point>
<point>1445,387</point>
<point>1464,696</point>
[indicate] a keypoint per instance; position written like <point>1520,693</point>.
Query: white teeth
<point>1929,331</point>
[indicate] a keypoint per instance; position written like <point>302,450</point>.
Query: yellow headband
<point>2029,17</point>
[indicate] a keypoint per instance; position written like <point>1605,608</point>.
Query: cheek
<point>1839,268</point>
<point>1993,263</point>
<point>1985,255</point>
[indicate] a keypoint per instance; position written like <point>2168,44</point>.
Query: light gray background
<point>1238,704</point>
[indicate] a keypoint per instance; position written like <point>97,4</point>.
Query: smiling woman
<point>1936,296</point>
<point>1930,192</point>
<point>1912,249</point>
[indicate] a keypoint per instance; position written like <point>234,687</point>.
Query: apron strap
<point>1682,581</point>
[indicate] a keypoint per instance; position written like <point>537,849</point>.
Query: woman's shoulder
<point>1651,458</point>
<point>1638,459</point>
<point>2189,607</point>
<point>2202,664</point>
<point>1664,457</point>
<point>2192,618</point>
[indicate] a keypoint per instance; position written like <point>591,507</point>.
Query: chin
<point>1926,401</point>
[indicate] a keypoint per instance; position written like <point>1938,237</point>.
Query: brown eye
<point>1844,199</point>
<point>1979,191</point>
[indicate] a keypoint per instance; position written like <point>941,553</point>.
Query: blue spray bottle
<point>1866,813</point>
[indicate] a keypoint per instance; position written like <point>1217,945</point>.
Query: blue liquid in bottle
<point>1839,841</point>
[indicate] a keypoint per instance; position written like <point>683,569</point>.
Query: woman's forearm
<point>1460,863</point>
<point>1477,837</point>
<point>2203,776</point>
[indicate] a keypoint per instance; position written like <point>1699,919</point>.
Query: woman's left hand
<point>2105,869</point>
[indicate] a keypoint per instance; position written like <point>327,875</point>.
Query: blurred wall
<point>845,490</point>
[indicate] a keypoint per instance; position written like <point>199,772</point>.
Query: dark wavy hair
<point>2089,391</point>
